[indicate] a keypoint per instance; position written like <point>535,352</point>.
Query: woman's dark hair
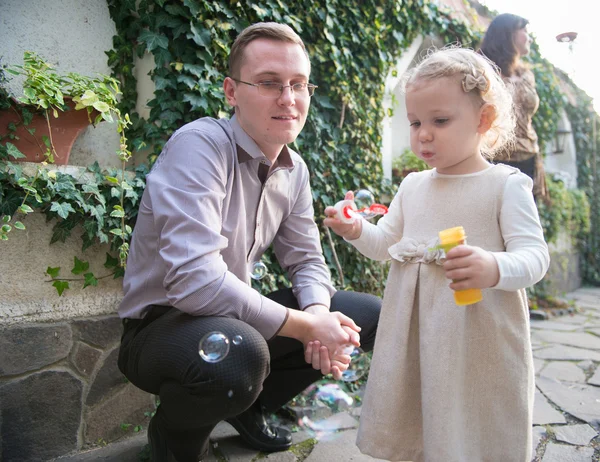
<point>498,44</point>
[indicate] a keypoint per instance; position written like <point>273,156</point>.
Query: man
<point>220,193</point>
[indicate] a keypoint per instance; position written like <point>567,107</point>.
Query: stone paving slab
<point>579,435</point>
<point>565,453</point>
<point>566,353</point>
<point>564,371</point>
<point>341,448</point>
<point>552,325</point>
<point>576,339</point>
<point>581,401</point>
<point>544,413</point>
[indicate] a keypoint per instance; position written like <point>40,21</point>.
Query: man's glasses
<point>274,90</point>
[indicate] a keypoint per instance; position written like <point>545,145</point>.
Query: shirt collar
<point>247,149</point>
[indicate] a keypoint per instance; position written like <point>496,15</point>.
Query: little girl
<point>453,383</point>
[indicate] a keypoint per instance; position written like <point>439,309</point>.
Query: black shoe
<point>254,430</point>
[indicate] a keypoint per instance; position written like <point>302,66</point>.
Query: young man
<point>220,194</point>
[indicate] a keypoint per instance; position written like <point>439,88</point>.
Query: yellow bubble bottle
<point>450,238</point>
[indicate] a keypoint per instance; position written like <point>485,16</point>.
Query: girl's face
<point>445,125</point>
<point>522,41</point>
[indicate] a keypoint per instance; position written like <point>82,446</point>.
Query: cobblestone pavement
<point>566,419</point>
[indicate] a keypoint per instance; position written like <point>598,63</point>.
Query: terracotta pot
<point>65,130</point>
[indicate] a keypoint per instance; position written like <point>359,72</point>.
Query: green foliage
<point>103,204</point>
<point>545,120</point>
<point>352,47</point>
<point>585,123</point>
<point>565,209</point>
<point>406,163</point>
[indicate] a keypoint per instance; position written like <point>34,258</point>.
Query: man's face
<point>270,121</point>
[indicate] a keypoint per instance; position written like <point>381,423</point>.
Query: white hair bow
<point>480,81</point>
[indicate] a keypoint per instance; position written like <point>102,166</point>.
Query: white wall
<point>72,35</point>
<point>395,129</point>
<point>564,164</point>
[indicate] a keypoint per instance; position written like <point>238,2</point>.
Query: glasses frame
<point>309,86</point>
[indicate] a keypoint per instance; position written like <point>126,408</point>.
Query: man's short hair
<point>266,30</point>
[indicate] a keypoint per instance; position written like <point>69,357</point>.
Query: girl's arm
<point>526,258</point>
<point>372,240</point>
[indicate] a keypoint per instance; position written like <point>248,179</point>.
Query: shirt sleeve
<point>375,240</point>
<point>186,192</point>
<point>299,252</point>
<point>526,258</point>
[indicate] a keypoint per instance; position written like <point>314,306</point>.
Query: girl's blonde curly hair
<point>480,78</point>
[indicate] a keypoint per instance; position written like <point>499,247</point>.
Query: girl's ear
<point>487,116</point>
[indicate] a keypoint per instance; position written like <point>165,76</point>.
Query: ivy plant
<point>101,203</point>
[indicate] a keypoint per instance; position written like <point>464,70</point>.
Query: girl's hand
<point>349,231</point>
<point>471,267</point>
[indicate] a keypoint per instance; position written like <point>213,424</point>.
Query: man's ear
<point>487,116</point>
<point>229,89</point>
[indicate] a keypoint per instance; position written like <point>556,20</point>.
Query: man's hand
<point>471,267</point>
<point>318,355</point>
<point>349,231</point>
<point>333,330</point>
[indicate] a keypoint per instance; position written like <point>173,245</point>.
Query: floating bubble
<point>318,406</point>
<point>230,393</point>
<point>258,270</point>
<point>363,200</point>
<point>359,366</point>
<point>214,347</point>
<point>250,388</point>
<point>237,339</point>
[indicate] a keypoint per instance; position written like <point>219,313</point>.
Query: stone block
<point>99,332</point>
<point>108,379</point>
<point>30,348</point>
<point>85,358</point>
<point>40,416</point>
<point>125,406</point>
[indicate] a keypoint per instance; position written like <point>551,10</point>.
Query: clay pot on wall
<point>65,130</point>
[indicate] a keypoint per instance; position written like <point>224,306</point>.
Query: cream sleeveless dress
<point>448,383</point>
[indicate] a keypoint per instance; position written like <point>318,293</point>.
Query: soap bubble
<point>237,339</point>
<point>214,347</point>
<point>258,270</point>
<point>363,200</point>
<point>359,366</point>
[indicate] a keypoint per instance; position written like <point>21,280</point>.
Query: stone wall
<point>61,390</point>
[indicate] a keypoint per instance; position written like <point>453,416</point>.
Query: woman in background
<point>506,41</point>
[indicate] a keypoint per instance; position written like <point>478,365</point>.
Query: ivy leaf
<point>14,152</point>
<point>90,280</point>
<point>193,6</point>
<point>53,272</point>
<point>153,40</point>
<point>19,225</point>
<point>61,286</point>
<point>196,101</point>
<point>194,69</point>
<point>62,209</point>
<point>200,36</point>
<point>111,262</point>
<point>79,266</point>
<point>189,81</point>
